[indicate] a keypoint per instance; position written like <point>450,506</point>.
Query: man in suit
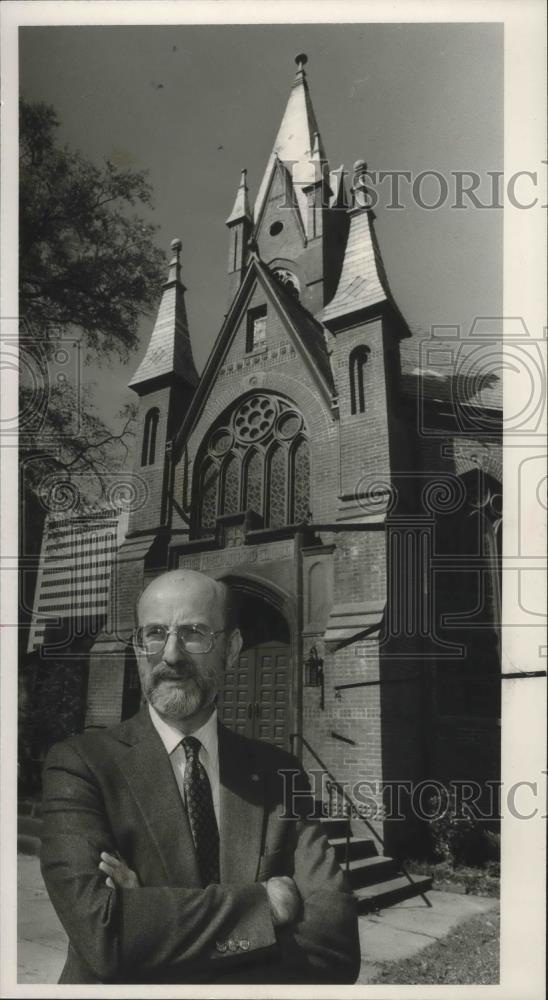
<point>173,850</point>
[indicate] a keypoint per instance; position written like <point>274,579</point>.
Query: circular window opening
<point>276,228</point>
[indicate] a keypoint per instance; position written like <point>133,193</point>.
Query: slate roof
<point>362,282</point>
<point>169,351</point>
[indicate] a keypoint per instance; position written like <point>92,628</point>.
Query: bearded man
<point>172,851</point>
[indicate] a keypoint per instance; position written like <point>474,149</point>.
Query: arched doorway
<point>255,700</point>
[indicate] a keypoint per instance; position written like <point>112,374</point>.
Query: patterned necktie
<point>201,814</point>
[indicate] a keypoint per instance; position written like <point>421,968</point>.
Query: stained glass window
<point>231,485</point>
<point>277,487</point>
<point>208,495</point>
<point>254,483</point>
<point>301,482</point>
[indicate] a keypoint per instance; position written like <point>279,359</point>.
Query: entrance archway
<point>255,700</point>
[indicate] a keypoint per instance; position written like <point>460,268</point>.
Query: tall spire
<point>362,282</point>
<point>169,352</point>
<point>298,141</point>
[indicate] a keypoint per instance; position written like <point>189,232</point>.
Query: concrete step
<point>358,847</point>
<point>334,828</point>
<point>393,890</point>
<point>371,871</point>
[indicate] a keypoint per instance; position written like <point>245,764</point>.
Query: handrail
<point>353,810</point>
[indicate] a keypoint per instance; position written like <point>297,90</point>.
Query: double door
<point>255,697</point>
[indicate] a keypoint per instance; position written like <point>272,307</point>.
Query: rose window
<point>254,419</point>
<point>255,459</point>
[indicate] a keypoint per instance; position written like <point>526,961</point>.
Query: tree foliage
<point>88,267</point>
<point>87,261</point>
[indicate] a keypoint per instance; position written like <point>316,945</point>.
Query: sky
<point>193,105</point>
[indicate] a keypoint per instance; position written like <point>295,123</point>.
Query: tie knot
<point>191,747</point>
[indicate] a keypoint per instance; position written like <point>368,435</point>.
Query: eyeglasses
<point>191,638</point>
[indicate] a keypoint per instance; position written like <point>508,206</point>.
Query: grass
<point>476,881</point>
<point>468,955</point>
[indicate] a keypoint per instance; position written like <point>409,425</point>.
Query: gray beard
<point>179,703</point>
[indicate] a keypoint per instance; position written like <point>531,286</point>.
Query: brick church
<point>345,481</point>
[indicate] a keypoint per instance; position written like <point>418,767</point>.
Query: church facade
<point>348,491</point>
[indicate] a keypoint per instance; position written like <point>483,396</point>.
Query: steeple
<point>169,353</point>
<point>362,282</point>
<point>297,143</point>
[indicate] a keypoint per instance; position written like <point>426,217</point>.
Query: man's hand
<point>284,899</point>
<point>117,872</point>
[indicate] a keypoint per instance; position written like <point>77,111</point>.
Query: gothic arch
<point>150,430</point>
<point>357,361</point>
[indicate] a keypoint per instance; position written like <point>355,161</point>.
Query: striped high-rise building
<point>73,579</point>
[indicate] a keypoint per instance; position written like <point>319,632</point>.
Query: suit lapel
<point>147,769</point>
<point>242,808</point>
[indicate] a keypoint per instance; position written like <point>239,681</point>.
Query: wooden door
<point>255,699</point>
<point>271,710</point>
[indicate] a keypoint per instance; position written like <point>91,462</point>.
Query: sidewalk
<point>397,932</point>
<point>42,942</point>
<point>403,930</point>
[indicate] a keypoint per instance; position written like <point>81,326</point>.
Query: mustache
<point>164,672</point>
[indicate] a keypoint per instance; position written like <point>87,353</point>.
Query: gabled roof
<point>297,139</point>
<point>305,332</point>
<point>169,351</point>
<point>278,167</point>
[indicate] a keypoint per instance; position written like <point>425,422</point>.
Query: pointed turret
<point>298,139</point>
<point>362,282</point>
<point>242,208</point>
<point>169,353</point>
<point>240,224</point>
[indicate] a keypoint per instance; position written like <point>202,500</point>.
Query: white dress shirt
<point>172,738</point>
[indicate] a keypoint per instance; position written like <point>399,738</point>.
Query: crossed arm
<point>145,933</point>
<point>283,896</point>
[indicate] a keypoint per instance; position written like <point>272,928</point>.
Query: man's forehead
<point>182,592</point>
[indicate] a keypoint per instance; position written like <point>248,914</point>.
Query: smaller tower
<point>240,224</point>
<point>366,327</point>
<point>164,381</point>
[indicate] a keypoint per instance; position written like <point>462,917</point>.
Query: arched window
<point>253,488</point>
<point>356,364</point>
<point>277,486</point>
<point>300,478</point>
<point>208,495</point>
<point>148,453</point>
<point>231,485</point>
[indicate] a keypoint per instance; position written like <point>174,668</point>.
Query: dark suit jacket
<point>114,790</point>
